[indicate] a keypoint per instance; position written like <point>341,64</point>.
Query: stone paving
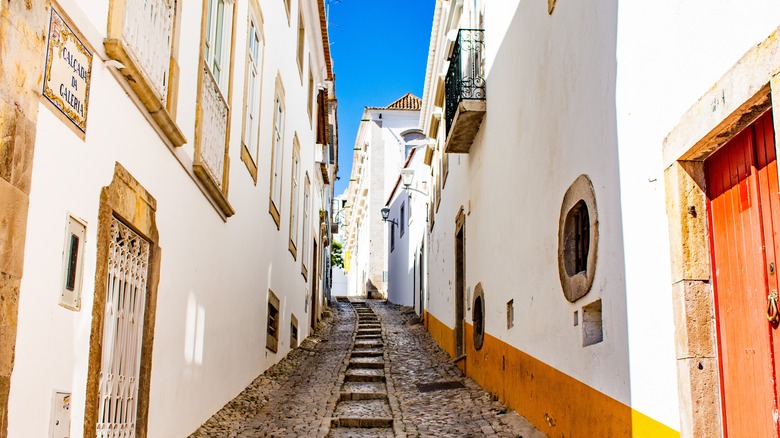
<point>358,376</point>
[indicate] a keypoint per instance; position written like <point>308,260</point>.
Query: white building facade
<point>380,152</point>
<point>407,225</point>
<point>177,232</point>
<point>569,257</point>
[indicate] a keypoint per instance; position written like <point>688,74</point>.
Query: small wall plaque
<point>67,72</point>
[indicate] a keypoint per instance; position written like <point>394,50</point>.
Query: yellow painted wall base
<point>557,404</point>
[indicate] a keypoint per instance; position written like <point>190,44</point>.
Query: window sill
<point>274,213</point>
<point>246,157</point>
<point>271,344</point>
<point>293,250</point>
<point>138,82</point>
<point>211,187</point>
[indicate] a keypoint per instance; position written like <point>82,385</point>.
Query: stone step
<point>371,365</point>
<point>375,359</point>
<point>376,337</point>
<point>364,387</point>
<point>364,378</point>
<point>368,352</point>
<point>363,408</point>
<point>352,432</point>
<point>347,396</point>
<point>362,422</point>
<point>368,344</point>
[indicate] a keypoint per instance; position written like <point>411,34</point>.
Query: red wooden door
<point>744,214</point>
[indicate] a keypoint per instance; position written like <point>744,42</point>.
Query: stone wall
<point>22,45</point>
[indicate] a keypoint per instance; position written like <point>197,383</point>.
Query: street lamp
<point>385,214</point>
<point>407,178</point>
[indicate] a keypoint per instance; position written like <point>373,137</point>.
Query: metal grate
<point>128,263</point>
<point>440,386</point>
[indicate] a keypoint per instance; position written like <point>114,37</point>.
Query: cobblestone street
<point>371,369</point>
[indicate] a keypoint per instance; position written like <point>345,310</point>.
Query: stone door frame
<point>745,92</point>
<point>127,200</point>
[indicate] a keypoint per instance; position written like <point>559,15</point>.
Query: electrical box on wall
<point>72,263</point>
<point>60,415</point>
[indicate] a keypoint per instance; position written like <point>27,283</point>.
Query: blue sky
<point>379,50</point>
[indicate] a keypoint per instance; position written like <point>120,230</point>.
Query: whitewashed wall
<point>403,263</point>
<point>383,161</point>
<point>211,311</point>
<point>593,88</point>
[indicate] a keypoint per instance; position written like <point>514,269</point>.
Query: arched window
<point>409,136</point>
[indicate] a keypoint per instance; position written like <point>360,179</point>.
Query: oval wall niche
<point>578,236</point>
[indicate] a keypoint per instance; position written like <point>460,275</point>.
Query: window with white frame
<point>252,96</point>
<point>277,151</point>
<point>218,31</point>
<point>295,178</point>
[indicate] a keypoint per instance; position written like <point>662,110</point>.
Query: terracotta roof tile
<point>407,102</point>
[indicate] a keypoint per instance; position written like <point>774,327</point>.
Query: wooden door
<point>743,213</point>
<point>460,284</point>
<point>315,289</point>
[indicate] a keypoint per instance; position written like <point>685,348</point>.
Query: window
<point>277,151</point>
<point>578,239</point>
<point>445,168</point>
<point>142,36</point>
<point>392,236</point>
<point>311,94</point>
<point>218,33</point>
<point>295,182</point>
<point>402,221</point>
<point>272,337</point>
<point>478,317</point>
<point>293,331</point>
<point>306,225</point>
<point>252,90</point>
<point>301,38</point>
<point>510,314</point>
<point>411,136</point>
<point>212,137</point>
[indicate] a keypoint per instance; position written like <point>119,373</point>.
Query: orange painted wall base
<point>557,404</point>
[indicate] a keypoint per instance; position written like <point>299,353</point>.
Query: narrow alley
<point>371,369</point>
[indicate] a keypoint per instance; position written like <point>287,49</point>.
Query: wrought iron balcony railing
<point>213,129</point>
<point>466,76</point>
<point>211,162</point>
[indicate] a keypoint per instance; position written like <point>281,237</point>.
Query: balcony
<point>465,91</point>
<point>140,38</point>
<point>211,161</point>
